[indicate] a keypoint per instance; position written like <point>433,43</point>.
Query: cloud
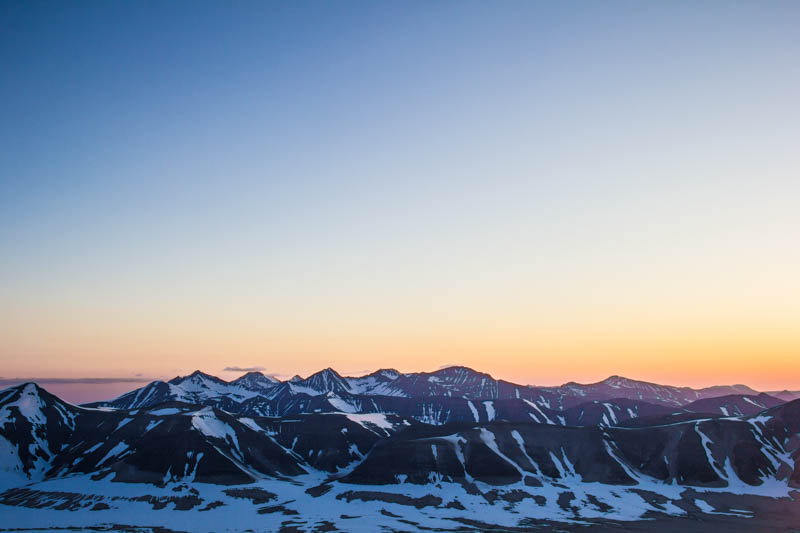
<point>243,369</point>
<point>447,366</point>
<point>72,381</point>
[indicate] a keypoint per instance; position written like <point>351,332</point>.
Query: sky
<point>545,191</point>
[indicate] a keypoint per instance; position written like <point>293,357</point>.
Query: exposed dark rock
<point>256,495</point>
<point>388,497</point>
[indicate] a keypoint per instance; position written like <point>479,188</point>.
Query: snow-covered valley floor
<point>307,504</point>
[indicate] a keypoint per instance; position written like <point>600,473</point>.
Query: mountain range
<point>453,394</point>
<point>453,447</point>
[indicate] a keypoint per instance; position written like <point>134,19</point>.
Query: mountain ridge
<point>422,395</point>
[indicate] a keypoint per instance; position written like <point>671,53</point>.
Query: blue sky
<point>363,182</point>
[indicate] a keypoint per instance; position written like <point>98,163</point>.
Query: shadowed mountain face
<point>713,453</point>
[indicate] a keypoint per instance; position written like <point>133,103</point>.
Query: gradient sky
<point>543,191</point>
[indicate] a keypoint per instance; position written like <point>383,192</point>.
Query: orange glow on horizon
<point>697,357</point>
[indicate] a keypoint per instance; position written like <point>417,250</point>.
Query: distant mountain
<point>726,390</point>
<point>571,394</point>
<point>455,381</point>
<point>734,404</point>
<point>448,395</point>
<point>785,395</point>
<point>256,381</point>
<point>379,383</point>
<point>322,382</point>
<point>197,387</point>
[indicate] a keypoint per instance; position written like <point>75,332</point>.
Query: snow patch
<point>474,410</point>
<point>490,413</point>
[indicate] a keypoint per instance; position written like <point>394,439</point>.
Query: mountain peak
<point>197,375</point>
<point>32,402</point>
<point>257,375</point>
<point>29,388</point>
<point>326,373</point>
<point>22,386</point>
<point>617,382</point>
<point>390,373</point>
<point>456,369</point>
<point>324,381</point>
<point>256,381</point>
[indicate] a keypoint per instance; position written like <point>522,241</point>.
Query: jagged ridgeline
<point>453,394</point>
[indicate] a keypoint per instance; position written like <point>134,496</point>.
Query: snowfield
<point>346,507</point>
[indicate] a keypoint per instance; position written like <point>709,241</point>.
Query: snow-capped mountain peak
<point>38,424</point>
<point>198,378</point>
<point>198,387</point>
<point>615,381</point>
<point>327,380</point>
<point>388,373</point>
<point>26,399</point>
